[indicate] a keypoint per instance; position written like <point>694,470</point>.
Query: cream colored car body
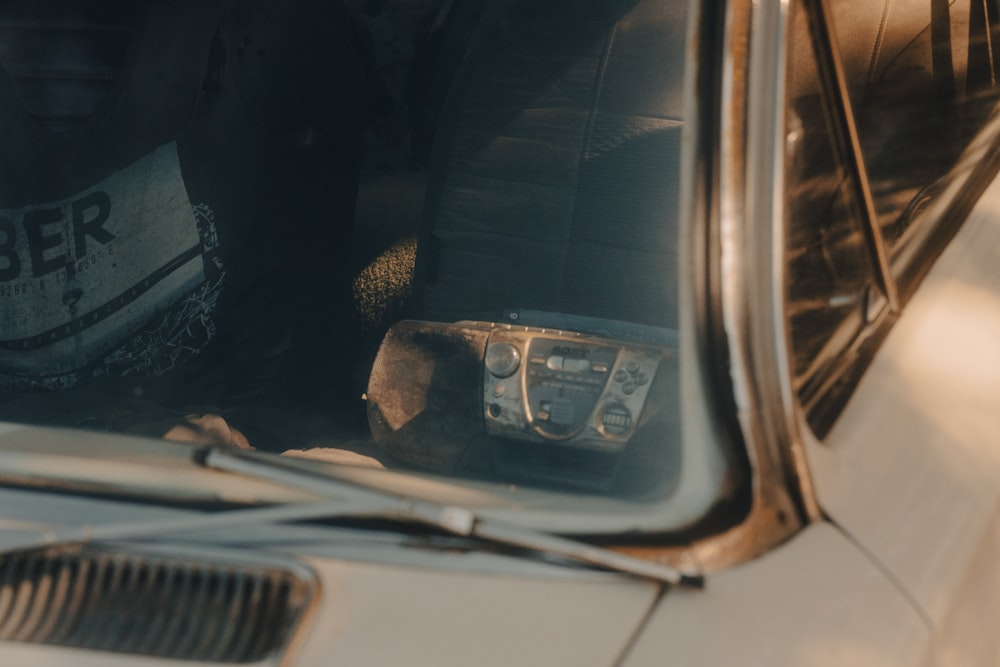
<point>895,562</point>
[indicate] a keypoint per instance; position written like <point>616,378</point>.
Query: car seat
<point>553,183</point>
<point>552,197</point>
<point>61,58</point>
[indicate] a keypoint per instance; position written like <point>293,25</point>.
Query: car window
<point>922,84</point>
<point>437,236</point>
<point>831,272</point>
<point>891,110</point>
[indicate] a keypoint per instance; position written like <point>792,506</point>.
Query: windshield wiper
<point>366,503</point>
<point>451,519</point>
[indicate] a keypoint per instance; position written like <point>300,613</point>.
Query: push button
<point>616,420</point>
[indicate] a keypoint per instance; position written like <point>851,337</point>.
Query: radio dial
<point>502,359</point>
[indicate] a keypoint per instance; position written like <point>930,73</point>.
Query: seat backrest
<point>62,57</point>
<point>554,178</point>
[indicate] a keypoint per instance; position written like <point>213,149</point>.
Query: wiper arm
<point>371,504</point>
<point>448,518</point>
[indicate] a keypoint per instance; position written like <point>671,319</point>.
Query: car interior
<point>514,231</point>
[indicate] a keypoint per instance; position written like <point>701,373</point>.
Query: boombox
<point>520,400</point>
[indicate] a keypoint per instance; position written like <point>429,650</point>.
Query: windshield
<point>438,237</point>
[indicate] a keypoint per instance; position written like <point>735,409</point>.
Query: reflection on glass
<point>922,82</point>
<point>830,271</point>
<point>921,79</point>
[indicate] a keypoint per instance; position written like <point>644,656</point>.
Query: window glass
<point>920,83</point>
<point>435,237</point>
<point>921,76</point>
<point>830,271</point>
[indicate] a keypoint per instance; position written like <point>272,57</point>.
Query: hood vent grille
<point>128,601</point>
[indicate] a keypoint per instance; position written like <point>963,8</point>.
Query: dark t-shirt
<point>187,243</point>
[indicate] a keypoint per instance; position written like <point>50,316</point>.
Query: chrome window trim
<point>736,240</point>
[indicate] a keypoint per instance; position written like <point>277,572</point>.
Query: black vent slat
<point>148,643</point>
<point>179,581</point>
<point>6,598</point>
<point>251,605</point>
<point>261,620</point>
<point>229,618</point>
<point>144,609</point>
<point>88,631</point>
<point>130,611</point>
<point>70,609</point>
<point>37,600</point>
<point>267,623</point>
<point>194,620</point>
<point>104,623</point>
<point>120,598</point>
<point>22,597</point>
<point>215,615</point>
<point>273,624</point>
<point>153,605</point>
<point>63,581</point>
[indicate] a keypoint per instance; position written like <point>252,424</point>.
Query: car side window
<point>830,272</point>
<point>922,81</point>
<point>890,129</point>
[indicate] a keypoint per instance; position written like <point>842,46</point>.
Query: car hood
<point>369,595</point>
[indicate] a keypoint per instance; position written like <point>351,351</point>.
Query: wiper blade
<point>366,503</point>
<point>448,518</point>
